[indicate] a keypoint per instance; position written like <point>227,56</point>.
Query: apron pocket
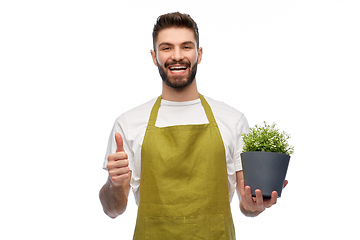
<point>208,227</point>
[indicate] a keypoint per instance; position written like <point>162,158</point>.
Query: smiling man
<point>180,152</point>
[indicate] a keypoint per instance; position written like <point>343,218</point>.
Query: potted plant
<point>265,159</point>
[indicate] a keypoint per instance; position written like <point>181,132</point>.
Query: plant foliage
<point>267,138</point>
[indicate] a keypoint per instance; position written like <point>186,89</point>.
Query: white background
<point>69,68</point>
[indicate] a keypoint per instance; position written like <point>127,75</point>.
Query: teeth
<point>178,68</point>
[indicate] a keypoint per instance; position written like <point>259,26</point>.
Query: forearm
<point>113,199</point>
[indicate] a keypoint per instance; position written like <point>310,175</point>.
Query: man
<point>180,153</point>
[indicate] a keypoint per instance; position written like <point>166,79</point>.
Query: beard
<point>175,81</point>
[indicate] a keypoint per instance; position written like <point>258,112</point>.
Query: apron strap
<point>154,112</point>
<point>208,111</point>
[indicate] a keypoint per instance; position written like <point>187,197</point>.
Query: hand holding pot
<point>256,204</point>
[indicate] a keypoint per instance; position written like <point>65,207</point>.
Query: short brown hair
<point>175,19</point>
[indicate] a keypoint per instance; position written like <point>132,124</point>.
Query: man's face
<point>177,56</point>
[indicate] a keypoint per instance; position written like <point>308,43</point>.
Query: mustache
<point>173,62</point>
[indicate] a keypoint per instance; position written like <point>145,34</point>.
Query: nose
<point>177,54</point>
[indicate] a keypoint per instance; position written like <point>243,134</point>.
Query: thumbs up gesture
<point>118,163</point>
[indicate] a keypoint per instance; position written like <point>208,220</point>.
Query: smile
<point>178,69</point>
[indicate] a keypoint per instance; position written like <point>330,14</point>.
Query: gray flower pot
<point>265,171</point>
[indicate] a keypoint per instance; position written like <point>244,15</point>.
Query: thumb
<point>285,183</point>
<point>119,142</point>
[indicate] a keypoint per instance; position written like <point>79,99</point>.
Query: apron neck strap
<point>206,106</point>
<point>208,111</point>
<point>154,112</point>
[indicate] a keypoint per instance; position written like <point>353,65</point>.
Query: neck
<point>180,95</point>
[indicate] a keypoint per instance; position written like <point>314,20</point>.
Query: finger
<point>119,171</point>
<point>248,201</point>
<point>243,195</point>
<point>119,180</point>
<point>117,156</point>
<point>242,189</point>
<point>248,196</point>
<point>119,142</point>
<point>259,200</point>
<point>117,164</point>
<point>273,200</point>
<point>274,197</point>
<point>285,183</point>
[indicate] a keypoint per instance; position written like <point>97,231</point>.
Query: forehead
<point>175,36</point>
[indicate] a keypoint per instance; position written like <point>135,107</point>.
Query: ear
<point>200,53</point>
<point>153,55</point>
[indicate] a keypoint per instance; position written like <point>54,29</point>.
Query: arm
<point>114,198</point>
<point>252,206</point>
<point>114,194</point>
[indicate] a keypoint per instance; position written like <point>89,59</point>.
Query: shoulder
<point>229,119</point>
<point>138,113</point>
<point>142,109</point>
<point>223,110</point>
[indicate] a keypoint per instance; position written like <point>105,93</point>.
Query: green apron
<point>183,187</point>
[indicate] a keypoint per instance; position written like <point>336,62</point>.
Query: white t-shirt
<point>132,126</point>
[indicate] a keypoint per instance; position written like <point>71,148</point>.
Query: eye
<point>188,46</point>
<point>165,49</point>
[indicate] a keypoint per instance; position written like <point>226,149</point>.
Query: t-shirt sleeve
<point>120,126</point>
<point>242,127</point>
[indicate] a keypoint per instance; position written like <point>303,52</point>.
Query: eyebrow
<point>170,44</point>
<point>188,42</point>
<point>164,43</point>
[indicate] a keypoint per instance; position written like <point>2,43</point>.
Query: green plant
<point>267,138</point>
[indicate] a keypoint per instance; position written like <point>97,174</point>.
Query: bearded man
<point>179,152</point>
